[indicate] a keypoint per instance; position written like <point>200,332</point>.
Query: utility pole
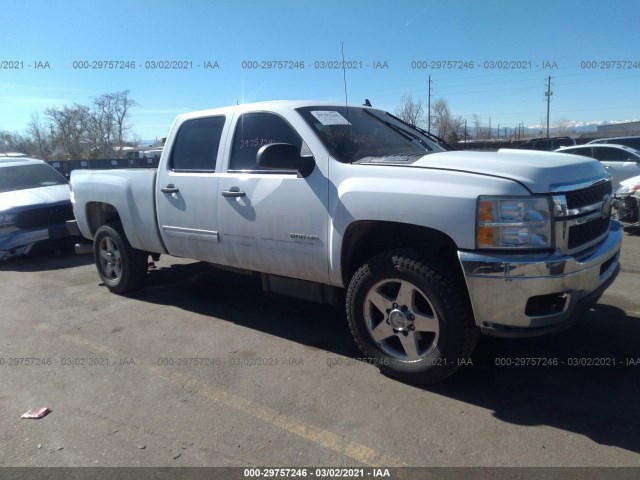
<point>465,130</point>
<point>548,94</point>
<point>429,107</point>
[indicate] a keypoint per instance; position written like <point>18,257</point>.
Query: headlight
<point>6,219</point>
<point>513,222</point>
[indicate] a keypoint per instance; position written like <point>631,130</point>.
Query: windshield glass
<point>21,177</point>
<point>354,133</point>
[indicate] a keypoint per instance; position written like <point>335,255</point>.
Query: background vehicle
<point>34,205</point>
<point>627,202</point>
<point>633,142</point>
<point>620,161</point>
<point>547,144</point>
<point>433,247</point>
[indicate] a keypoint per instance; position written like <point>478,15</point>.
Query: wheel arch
<point>366,239</point>
<point>100,213</point>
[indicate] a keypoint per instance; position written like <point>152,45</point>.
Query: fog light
<point>550,304</point>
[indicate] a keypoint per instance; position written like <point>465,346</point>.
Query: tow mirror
<point>284,156</point>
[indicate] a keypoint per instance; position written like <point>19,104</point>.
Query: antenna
<point>346,103</point>
<point>344,76</point>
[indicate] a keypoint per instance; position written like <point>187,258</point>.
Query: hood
<point>630,182</point>
<point>34,196</point>
<point>540,172</point>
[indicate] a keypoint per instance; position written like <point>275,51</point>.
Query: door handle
<point>171,188</point>
<point>233,192</point>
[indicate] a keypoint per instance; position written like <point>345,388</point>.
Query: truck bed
<point>130,192</point>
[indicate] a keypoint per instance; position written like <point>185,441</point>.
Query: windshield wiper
<point>441,142</point>
<point>408,135</point>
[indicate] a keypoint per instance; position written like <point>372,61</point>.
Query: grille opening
<point>605,266</point>
<point>546,304</point>
<point>587,232</point>
<point>44,216</point>
<point>588,196</point>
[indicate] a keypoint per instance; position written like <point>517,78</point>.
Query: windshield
<point>21,177</point>
<point>355,133</point>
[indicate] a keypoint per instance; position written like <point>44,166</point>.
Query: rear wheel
<point>121,267</point>
<point>410,316</point>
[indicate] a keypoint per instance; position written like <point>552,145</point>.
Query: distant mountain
<point>570,128</point>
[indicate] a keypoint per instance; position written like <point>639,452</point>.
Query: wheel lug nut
<point>405,333</point>
<point>412,327</point>
<point>395,305</point>
<point>412,317</point>
<point>388,310</point>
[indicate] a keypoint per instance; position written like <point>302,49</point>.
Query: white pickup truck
<point>433,247</point>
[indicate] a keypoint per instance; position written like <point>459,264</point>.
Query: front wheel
<point>410,316</point>
<point>121,267</point>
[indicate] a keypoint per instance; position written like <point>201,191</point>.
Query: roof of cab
<point>15,161</point>
<point>270,105</point>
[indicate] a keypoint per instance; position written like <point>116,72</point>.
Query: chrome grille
<point>582,216</point>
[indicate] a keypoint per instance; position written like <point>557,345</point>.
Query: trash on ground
<point>36,413</point>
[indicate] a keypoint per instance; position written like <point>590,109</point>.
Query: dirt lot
<point>202,368</point>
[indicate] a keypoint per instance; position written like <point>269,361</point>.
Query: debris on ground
<point>36,413</point>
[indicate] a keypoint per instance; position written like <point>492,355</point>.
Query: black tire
<point>411,316</point>
<point>121,267</point>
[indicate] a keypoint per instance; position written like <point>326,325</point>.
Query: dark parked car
<point>621,162</point>
<point>34,205</point>
<point>547,144</point>
<point>633,142</point>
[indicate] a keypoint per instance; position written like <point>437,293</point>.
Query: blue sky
<point>560,35</point>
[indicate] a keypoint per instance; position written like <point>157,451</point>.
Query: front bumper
<point>20,242</point>
<point>525,295</point>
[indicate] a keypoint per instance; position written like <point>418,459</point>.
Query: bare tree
<point>410,111</point>
<point>96,130</point>
<point>110,114</point>
<point>14,142</point>
<point>447,126</point>
<point>123,104</point>
<point>41,143</point>
<point>72,127</point>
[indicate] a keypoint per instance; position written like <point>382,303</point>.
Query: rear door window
<point>585,152</point>
<point>196,145</point>
<point>607,154</point>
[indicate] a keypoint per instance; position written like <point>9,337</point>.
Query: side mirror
<point>284,156</point>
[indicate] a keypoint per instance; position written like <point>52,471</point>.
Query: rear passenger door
<point>187,191</point>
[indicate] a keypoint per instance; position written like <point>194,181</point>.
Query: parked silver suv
<point>620,161</point>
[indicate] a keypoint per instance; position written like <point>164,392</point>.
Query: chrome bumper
<point>525,295</point>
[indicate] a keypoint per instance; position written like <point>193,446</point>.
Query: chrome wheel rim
<point>401,319</point>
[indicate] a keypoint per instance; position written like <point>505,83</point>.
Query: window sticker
<point>330,117</point>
